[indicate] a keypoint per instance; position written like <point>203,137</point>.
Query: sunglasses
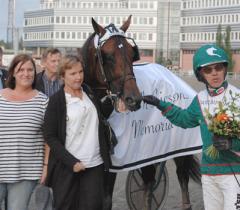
<point>208,69</point>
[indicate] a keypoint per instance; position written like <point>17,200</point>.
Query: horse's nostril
<point>129,101</point>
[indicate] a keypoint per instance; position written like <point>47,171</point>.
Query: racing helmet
<point>206,55</point>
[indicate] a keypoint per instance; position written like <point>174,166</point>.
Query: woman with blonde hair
<point>74,131</point>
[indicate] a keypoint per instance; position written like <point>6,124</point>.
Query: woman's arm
<point>45,163</point>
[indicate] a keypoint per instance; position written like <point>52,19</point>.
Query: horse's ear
<point>126,24</point>
<point>97,28</point>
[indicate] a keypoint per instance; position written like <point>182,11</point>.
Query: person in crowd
<point>47,80</point>
<point>220,176</point>
<point>3,71</point>
<point>21,137</point>
<point>75,132</point>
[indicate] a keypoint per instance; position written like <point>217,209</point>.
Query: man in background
<point>47,80</point>
<point>3,72</point>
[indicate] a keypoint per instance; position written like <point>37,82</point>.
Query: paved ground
<point>174,196</point>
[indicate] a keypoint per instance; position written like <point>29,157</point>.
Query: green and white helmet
<point>207,55</point>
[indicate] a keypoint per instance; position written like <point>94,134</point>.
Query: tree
<point>219,36</point>
<point>3,43</point>
<point>224,41</point>
<point>20,43</point>
<point>228,48</point>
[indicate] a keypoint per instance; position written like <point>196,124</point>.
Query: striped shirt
<point>21,139</point>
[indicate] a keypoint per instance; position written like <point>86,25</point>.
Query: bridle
<point>112,31</point>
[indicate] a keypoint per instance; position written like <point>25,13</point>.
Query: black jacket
<point>39,82</point>
<point>4,77</point>
<point>55,133</point>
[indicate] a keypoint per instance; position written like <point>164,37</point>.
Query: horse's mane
<point>85,50</point>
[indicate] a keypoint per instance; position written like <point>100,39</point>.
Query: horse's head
<point>113,54</point>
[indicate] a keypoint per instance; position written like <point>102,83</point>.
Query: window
<point>68,35</point>
<point>135,20</point>
<point>145,21</point>
<point>80,19</point>
<point>68,19</point>
<point>183,37</point>
<point>151,6</point>
<point>134,36</point>
<point>133,5</point>
<point>85,20</point>
<point>184,5</point>
<point>57,35</point>
<point>73,35</point>
<point>151,21</point>
<point>57,19</point>
<point>118,20</point>
<point>74,21</point>
<point>142,36</point>
<point>79,35</point>
<point>150,37</point>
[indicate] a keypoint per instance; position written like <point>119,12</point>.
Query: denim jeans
<point>17,194</point>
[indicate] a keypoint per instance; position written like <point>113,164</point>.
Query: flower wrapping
<point>225,121</point>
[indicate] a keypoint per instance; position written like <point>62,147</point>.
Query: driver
<point>220,176</point>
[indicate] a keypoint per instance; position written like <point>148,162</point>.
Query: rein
<point>104,74</point>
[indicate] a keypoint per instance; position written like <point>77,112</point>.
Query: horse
<point>108,56</point>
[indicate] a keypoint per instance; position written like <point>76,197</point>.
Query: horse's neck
<point>101,93</point>
<point>92,81</point>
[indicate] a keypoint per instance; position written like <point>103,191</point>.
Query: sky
<point>21,6</point>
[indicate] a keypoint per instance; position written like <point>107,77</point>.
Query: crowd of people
<point>52,132</point>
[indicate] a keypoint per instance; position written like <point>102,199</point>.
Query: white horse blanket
<point>146,136</point>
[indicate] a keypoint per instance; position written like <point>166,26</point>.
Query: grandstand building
<point>199,23</point>
<point>66,24</point>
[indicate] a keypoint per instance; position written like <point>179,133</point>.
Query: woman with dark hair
<point>22,155</point>
<point>75,132</point>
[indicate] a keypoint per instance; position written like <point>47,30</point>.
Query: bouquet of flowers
<point>224,122</point>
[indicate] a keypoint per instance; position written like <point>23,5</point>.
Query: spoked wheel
<point>135,189</point>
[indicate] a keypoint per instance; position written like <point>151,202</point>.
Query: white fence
<point>230,75</point>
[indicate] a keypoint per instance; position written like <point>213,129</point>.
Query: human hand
<point>150,99</point>
<point>78,167</point>
<point>222,143</point>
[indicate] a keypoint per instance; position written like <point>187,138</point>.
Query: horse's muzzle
<point>133,103</point>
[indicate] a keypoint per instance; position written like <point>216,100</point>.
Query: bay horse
<point>108,55</point>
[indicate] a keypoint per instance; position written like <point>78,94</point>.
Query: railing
<point>230,75</point>
<point>233,75</point>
